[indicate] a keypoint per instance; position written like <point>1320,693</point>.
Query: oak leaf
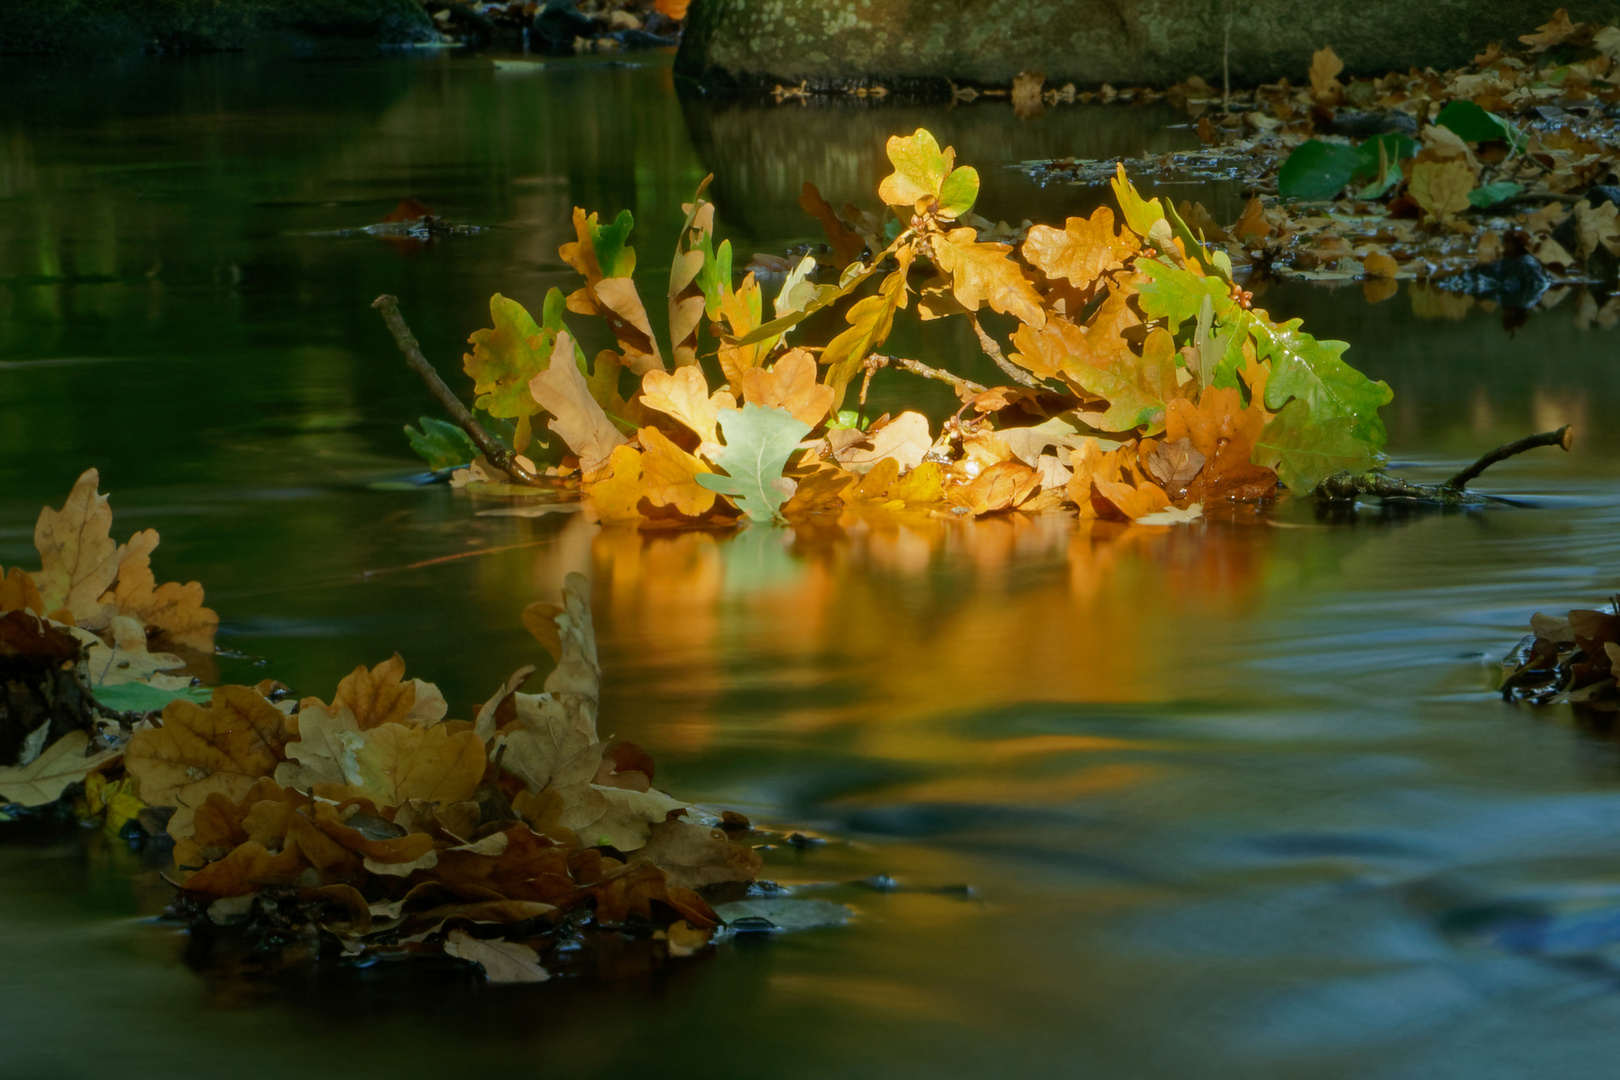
<point>870,319</point>
<point>44,779</point>
<point>126,660</point>
<point>984,274</point>
<point>669,474</point>
<point>324,752</point>
<point>905,439</point>
<point>685,396</point>
<point>789,384</point>
<point>1555,31</point>
<point>505,357</point>
<point>614,494</point>
<point>1002,486</point>
<point>923,172</point>
<point>501,961</point>
<point>176,610</point>
<point>1134,387</point>
<point>396,762</point>
<point>248,868</point>
<point>382,695</point>
<point>225,746</point>
<point>1223,431</point>
<point>1325,85</point>
<point>846,244</point>
<point>80,559</point>
<point>561,390</point>
<point>1082,251</point>
<point>742,310</point>
<point>1441,188</point>
<point>19,593</point>
<point>693,856</point>
<point>759,442</point>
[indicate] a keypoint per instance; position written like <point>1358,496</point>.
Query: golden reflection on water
<point>925,618</point>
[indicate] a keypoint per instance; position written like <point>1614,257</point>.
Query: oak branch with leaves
<point>1143,384</point>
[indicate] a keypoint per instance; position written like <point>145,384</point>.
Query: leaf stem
<point>494,452</point>
<point>993,351</point>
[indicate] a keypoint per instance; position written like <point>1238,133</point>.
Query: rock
<point>557,25</point>
<point>743,45</point>
<point>128,26</point>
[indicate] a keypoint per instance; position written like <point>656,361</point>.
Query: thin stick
<point>993,351</point>
<point>494,452</point>
<point>1564,437</point>
<point>955,382</point>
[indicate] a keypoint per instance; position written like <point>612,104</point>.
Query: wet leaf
<point>441,444</point>
<point>395,763</point>
<point>561,391</point>
<point>1317,170</point>
<point>62,763</point>
<point>1442,188</point>
<point>126,660</point>
<point>224,747</point>
<point>507,356</point>
<point>758,444</point>
<point>502,961</point>
<point>783,913</point>
<point>923,171</point>
<point>685,396</point>
<point>1305,450</point>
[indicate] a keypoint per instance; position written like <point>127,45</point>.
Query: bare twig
<point>955,382</point>
<point>1564,437</point>
<point>993,351</point>
<point>494,452</point>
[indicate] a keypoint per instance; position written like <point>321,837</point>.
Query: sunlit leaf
<point>758,444</point>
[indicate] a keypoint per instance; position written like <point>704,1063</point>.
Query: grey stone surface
<point>124,26</point>
<point>917,43</point>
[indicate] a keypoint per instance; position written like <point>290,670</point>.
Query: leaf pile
<point>374,819</point>
<point>561,27</point>
<point>1495,181</point>
<point>1570,660</point>
<point>1143,383</point>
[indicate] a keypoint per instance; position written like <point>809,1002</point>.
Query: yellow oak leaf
<point>1082,251</point>
<point>905,439</point>
<point>984,274</point>
<point>44,779</point>
<point>397,762</point>
<point>870,319</point>
<point>224,746</point>
<point>80,560</point>
<point>685,396</point>
<point>615,494</point>
<point>1325,86</point>
<point>1140,214</point>
<point>790,385</point>
<point>668,472</point>
<point>177,610</point>
<point>382,695</point>
<point>741,308</point>
<point>1441,187</point>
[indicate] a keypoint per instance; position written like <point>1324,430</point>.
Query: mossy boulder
<point>73,26</point>
<point>920,44</point>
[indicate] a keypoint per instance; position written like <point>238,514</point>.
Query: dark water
<point>1232,800</point>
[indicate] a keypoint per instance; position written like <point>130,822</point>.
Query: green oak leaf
<point>506,356</point>
<point>758,444</point>
<point>614,255</point>
<point>923,171</point>
<point>441,443</point>
<point>1303,367</point>
<point>141,698</point>
<point>1176,295</point>
<point>715,275</point>
<point>1305,449</point>
<point>959,192</point>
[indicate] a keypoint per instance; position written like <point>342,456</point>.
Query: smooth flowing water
<point>1230,800</point>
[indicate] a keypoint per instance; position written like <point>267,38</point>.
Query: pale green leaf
<point>758,444</point>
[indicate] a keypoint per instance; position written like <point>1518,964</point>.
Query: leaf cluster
<point>1143,383</point>
<point>1572,659</point>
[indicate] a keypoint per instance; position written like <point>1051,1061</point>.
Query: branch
<point>1564,437</point>
<point>494,452</point>
<point>993,351</point>
<point>955,382</point>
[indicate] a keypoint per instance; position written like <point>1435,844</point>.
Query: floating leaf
<point>43,780</point>
<point>441,444</point>
<point>1317,170</point>
<point>758,444</point>
<point>1305,450</point>
<point>502,961</point>
<point>783,913</point>
<point>223,747</point>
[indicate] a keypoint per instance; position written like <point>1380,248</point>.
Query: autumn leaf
<point>1325,85</point>
<point>673,9</point>
<point>694,857</point>
<point>324,752</point>
<point>983,274</point>
<point>1130,501</point>
<point>789,384</point>
<point>1082,251</point>
<point>176,610</point>
<point>1002,486</point>
<point>615,491</point>
<point>1223,432</point>
<point>1134,387</point>
<point>19,593</point>
<point>1313,371</point>
<point>80,560</point>
<point>382,695</point>
<point>396,762</point>
<point>44,779</point>
<point>561,391</point>
<point>507,355</point>
<point>742,309</point>
<point>846,244</point>
<point>758,444</point>
<point>669,474</point>
<point>923,171</point>
<point>1441,187</point>
<point>1555,31</point>
<point>126,660</point>
<point>1140,214</point>
<point>904,440</point>
<point>225,747</point>
<point>870,321</point>
<point>685,396</point>
<point>603,255</point>
<point>502,961</point>
<point>1305,449</point>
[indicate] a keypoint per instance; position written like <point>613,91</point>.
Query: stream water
<point>1230,800</point>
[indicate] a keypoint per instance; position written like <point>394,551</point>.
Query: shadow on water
<point>1233,800</point>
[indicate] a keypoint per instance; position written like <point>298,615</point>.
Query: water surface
<point>1231,800</point>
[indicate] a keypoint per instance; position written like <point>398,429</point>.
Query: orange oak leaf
<point>1325,86</point>
<point>19,593</point>
<point>685,396</point>
<point>1130,501</point>
<point>177,610</point>
<point>1046,351</point>
<point>984,274</point>
<point>248,868</point>
<point>1000,487</point>
<point>1082,251</point>
<point>1223,432</point>
<point>790,385</point>
<point>668,473</point>
<point>741,308</point>
<point>382,695</point>
<point>616,490</point>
